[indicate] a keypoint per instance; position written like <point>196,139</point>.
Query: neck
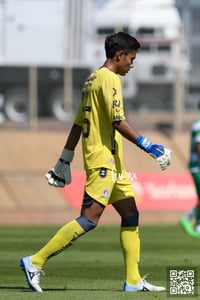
<point>109,65</point>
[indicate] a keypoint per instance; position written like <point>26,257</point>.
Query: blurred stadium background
<point>47,48</point>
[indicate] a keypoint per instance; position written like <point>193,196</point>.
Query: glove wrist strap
<point>143,143</point>
<point>67,155</point>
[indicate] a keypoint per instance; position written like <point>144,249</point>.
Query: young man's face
<point>125,62</point>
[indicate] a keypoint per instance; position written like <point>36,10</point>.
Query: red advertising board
<point>153,191</point>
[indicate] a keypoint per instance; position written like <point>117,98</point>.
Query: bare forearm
<point>126,130</point>
<point>73,137</point>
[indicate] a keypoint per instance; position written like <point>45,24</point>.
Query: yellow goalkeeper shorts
<point>108,186</point>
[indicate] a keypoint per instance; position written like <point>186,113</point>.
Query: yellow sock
<point>130,243</point>
<point>61,240</point>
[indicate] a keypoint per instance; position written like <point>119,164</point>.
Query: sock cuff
<point>85,223</point>
<point>130,221</point>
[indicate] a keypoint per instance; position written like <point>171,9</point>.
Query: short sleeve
<point>112,97</point>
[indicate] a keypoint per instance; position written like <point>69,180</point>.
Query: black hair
<point>120,41</point>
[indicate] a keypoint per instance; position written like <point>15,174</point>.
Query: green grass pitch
<point>93,267</point>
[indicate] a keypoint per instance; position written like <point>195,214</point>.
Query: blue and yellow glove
<point>161,154</point>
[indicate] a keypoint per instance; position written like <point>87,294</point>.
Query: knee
<point>130,221</point>
<point>85,223</point>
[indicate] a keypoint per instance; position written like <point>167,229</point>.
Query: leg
<point>65,237</point>
<point>195,212</point>
<point>130,243</point>
<point>196,178</point>
<point>129,238</point>
<point>91,209</point>
<point>187,221</point>
<point>197,215</point>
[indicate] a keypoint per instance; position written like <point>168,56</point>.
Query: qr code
<point>182,282</point>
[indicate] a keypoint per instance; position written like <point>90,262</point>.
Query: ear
<point>119,55</point>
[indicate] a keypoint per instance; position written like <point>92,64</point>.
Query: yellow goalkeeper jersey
<point>100,106</point>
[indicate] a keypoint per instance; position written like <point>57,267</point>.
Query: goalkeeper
<point>101,122</point>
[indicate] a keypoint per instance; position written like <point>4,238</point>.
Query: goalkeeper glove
<point>158,152</point>
<point>60,175</point>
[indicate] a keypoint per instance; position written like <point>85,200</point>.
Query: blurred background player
<point>101,122</point>
<point>193,216</point>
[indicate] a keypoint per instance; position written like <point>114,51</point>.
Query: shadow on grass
<point>23,289</point>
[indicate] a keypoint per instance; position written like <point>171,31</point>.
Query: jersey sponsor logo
<point>105,193</point>
<point>114,92</point>
<point>118,118</point>
<point>116,104</point>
